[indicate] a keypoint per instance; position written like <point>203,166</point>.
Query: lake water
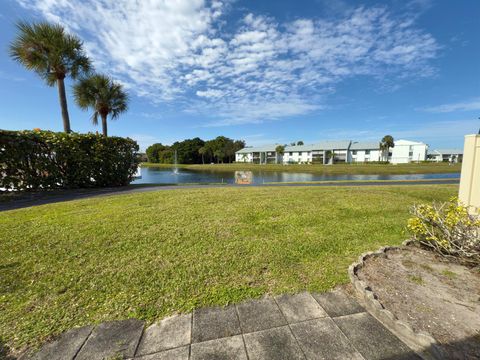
<point>152,175</point>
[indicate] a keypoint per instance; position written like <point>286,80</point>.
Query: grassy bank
<point>151,254</point>
<point>336,169</point>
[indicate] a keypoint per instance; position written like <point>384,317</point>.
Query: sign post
<point>469,193</point>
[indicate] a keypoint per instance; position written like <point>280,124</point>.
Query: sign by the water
<point>243,177</point>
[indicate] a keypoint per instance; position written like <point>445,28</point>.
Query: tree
<point>219,154</point>
<point>188,150</point>
<point>202,151</point>
<point>53,54</point>
<point>280,150</point>
<point>385,145</point>
<point>153,152</point>
<point>330,154</point>
<point>300,142</point>
<point>103,95</point>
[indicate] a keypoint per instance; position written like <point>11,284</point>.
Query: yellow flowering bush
<point>448,229</point>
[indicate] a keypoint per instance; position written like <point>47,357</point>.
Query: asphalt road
<point>8,202</point>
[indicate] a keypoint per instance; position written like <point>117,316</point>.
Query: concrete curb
<point>421,342</point>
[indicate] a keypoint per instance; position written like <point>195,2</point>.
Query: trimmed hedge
<point>32,160</point>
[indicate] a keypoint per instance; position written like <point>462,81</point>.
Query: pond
<point>153,175</point>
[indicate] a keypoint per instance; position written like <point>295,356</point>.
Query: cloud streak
<point>178,52</point>
<point>459,106</point>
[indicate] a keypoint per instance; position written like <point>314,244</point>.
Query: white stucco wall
<point>405,153</point>
<point>297,156</point>
<point>240,157</point>
<point>365,155</point>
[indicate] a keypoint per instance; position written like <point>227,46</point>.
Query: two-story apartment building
<point>446,155</point>
<point>406,151</point>
<point>327,152</point>
<point>361,151</point>
<point>319,153</point>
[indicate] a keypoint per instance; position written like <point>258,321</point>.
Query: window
<point>290,153</point>
<point>300,153</point>
<point>354,152</point>
<point>367,152</point>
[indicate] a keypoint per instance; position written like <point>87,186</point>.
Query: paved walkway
<point>302,326</point>
<point>47,197</point>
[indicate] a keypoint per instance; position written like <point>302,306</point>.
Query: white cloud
<point>5,76</point>
<point>211,93</point>
<point>459,106</point>
<point>178,51</point>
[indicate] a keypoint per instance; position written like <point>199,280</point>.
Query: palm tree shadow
<point>5,352</point>
<point>9,281</point>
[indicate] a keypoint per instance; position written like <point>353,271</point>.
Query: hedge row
<point>31,160</point>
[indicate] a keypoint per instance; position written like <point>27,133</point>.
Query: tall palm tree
<point>202,151</point>
<point>385,145</point>
<point>103,95</point>
<point>53,54</point>
<point>279,151</point>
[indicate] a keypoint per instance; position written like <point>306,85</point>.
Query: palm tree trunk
<point>104,125</point>
<point>63,105</point>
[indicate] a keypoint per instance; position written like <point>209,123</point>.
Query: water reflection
<point>152,175</point>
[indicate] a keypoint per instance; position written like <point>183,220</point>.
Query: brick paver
<point>302,326</point>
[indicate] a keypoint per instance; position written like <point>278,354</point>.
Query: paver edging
<point>421,342</point>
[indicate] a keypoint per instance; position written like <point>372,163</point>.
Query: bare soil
<point>431,294</point>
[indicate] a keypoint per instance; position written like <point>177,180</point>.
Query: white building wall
<point>365,155</point>
<point>297,157</point>
<point>241,158</point>
<point>405,153</point>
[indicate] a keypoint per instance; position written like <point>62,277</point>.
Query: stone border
<point>421,342</point>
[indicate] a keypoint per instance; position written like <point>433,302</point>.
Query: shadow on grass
<point>18,200</point>
<point>5,351</point>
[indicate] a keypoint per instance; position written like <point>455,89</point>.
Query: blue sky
<point>263,71</point>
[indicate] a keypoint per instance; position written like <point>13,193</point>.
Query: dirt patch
<point>431,294</point>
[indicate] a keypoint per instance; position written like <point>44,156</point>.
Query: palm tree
<point>279,150</point>
<point>202,151</point>
<point>53,54</point>
<point>330,154</point>
<point>219,154</point>
<point>385,145</point>
<point>103,95</point>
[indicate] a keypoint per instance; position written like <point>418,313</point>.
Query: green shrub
<point>46,160</point>
<point>448,229</point>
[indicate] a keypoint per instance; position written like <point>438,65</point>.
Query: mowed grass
<point>152,254</point>
<point>336,169</point>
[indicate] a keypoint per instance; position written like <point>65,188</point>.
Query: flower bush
<point>448,229</point>
<point>31,160</point>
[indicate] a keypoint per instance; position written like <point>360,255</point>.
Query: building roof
<point>408,142</point>
<point>364,145</point>
<point>447,151</point>
<point>322,145</point>
<point>264,148</point>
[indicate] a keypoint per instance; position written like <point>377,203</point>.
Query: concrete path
<point>54,196</point>
<point>303,326</point>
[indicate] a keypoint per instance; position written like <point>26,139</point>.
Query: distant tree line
<point>196,151</point>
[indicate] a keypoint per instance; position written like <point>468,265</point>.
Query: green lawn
<point>152,254</point>
<point>336,169</point>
